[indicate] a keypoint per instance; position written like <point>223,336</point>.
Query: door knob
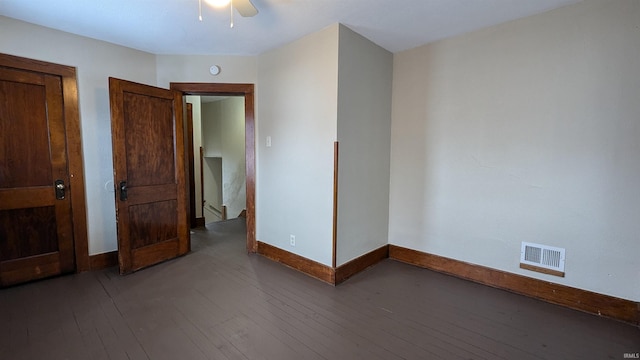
<point>123,191</point>
<point>60,189</point>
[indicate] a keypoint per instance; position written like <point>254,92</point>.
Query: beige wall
<point>223,124</point>
<point>364,133</point>
<point>297,106</point>
<point>195,68</point>
<point>526,131</point>
<point>234,184</point>
<point>212,167</point>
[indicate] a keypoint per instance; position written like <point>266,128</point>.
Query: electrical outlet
<point>292,240</point>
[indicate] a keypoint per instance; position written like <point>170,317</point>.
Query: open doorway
<point>233,93</point>
<point>221,172</point>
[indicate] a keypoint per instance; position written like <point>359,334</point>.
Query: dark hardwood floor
<point>220,303</point>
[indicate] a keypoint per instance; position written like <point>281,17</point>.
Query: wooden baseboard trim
<point>104,260</point>
<point>200,222</point>
<point>347,270</point>
<point>323,272</point>
<point>577,299</point>
<point>319,271</point>
<point>542,270</point>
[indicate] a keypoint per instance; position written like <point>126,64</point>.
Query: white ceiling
<point>172,26</point>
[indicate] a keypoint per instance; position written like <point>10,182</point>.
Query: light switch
<point>268,141</point>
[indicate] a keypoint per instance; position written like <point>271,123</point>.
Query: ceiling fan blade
<point>245,8</point>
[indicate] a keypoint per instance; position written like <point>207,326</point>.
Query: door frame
<point>188,121</point>
<point>75,164</point>
<point>246,90</point>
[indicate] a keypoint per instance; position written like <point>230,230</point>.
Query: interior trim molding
<point>577,299</point>
<point>246,90</point>
<point>328,274</point>
<point>586,301</point>
<point>542,270</point>
<point>334,230</point>
<point>104,260</point>
<point>312,268</point>
<point>359,264</point>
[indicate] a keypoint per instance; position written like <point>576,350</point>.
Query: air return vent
<point>542,258</point>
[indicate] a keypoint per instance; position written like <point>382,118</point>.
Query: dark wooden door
<point>149,174</point>
<point>36,226</point>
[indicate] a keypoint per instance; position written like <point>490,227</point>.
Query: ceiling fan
<point>245,7</point>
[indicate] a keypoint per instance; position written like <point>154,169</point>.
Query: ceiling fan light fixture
<point>218,3</point>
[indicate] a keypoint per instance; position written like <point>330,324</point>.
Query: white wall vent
<point>542,258</point>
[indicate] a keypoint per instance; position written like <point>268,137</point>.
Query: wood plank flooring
<point>220,303</point>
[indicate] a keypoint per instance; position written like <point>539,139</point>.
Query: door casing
<point>246,90</point>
